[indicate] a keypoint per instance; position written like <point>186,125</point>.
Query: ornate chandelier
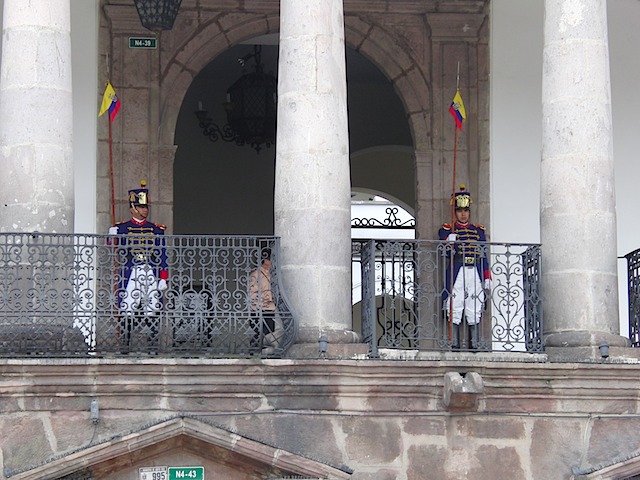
<point>156,15</point>
<point>251,109</point>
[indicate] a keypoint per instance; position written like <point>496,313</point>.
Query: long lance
<point>453,229</point>
<point>453,216</point>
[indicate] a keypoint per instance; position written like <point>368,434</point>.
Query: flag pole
<point>455,158</point>
<point>113,200</point>
<point>110,121</point>
<point>453,216</point>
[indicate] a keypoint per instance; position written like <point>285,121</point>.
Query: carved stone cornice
<point>518,383</point>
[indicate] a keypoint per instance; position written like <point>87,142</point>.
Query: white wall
<point>516,122</point>
<point>624,44</point>
<point>516,119</point>
<point>84,58</point>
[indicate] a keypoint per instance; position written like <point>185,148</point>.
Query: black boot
<point>475,339</point>
<point>455,337</point>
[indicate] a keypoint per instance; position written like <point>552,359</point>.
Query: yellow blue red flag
<point>110,102</point>
<point>457,110</point>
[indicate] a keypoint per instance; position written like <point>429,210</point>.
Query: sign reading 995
<point>152,473</point>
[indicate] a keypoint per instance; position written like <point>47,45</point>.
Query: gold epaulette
<point>446,226</point>
<point>160,226</point>
<point>481,227</point>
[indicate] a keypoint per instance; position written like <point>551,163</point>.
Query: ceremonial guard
<point>142,269</point>
<point>467,271</point>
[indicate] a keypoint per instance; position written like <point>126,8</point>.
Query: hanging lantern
<point>156,15</point>
<point>251,109</point>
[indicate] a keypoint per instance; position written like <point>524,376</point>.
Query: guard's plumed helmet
<point>139,196</point>
<point>462,199</point>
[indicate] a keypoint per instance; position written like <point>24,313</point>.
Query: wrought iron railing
<point>401,302</point>
<point>633,285</point>
<point>98,295</point>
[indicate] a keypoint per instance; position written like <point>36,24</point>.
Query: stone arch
<point>200,41</point>
<point>201,47</point>
<point>125,453</point>
<point>379,46</point>
<point>208,40</point>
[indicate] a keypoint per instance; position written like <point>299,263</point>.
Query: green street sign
<point>143,42</point>
<point>186,473</point>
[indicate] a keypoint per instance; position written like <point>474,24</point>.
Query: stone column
<point>577,210</point>
<point>312,187</point>
<point>36,185</point>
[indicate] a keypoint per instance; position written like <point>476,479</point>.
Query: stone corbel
<point>461,392</point>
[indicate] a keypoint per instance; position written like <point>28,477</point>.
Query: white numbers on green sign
<point>143,42</point>
<point>186,473</point>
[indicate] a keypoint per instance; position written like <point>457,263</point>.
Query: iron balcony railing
<point>633,285</point>
<point>70,295</point>
<point>401,303</point>
<point>98,294</point>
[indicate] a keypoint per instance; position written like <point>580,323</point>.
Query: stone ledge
<point>519,357</point>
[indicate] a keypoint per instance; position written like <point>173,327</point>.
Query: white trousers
<point>142,291</point>
<point>468,296</point>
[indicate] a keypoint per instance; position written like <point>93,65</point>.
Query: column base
<point>335,344</point>
<point>578,346</point>
<point>583,338</point>
<point>334,351</point>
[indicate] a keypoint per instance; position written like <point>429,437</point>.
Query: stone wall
<point>360,419</point>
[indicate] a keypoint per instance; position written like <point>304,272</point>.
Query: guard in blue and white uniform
<point>469,274</point>
<point>141,259</point>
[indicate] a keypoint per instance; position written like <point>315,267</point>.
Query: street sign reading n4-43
<point>186,473</point>
<point>143,42</point>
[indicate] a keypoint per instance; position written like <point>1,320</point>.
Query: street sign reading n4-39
<point>186,473</point>
<point>143,42</point>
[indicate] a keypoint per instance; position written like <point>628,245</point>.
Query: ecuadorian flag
<point>457,110</point>
<point>110,102</point>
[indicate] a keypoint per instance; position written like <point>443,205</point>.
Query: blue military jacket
<point>466,250</point>
<point>143,245</point>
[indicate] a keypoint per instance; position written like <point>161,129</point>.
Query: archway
<point>221,188</point>
<point>181,441</point>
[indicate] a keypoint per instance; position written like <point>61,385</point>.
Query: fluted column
<point>36,184</point>
<point>312,189</point>
<point>577,211</point>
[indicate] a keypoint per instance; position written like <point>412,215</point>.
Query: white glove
<point>488,284</point>
<point>162,285</point>
<point>452,237</point>
<point>113,230</point>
